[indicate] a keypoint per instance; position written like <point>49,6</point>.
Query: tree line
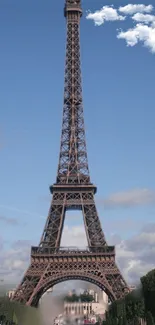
<point>137,307</point>
<point>13,313</point>
<point>84,297</point>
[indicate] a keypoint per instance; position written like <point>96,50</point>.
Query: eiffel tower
<point>73,190</point>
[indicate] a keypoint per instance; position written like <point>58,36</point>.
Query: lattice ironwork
<point>73,163</point>
<point>49,267</point>
<point>70,200</point>
<point>51,264</point>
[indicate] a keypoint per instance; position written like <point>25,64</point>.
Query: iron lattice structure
<point>50,263</point>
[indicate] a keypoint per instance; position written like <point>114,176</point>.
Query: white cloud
<point>74,236</point>
<point>138,13</point>
<point>136,255</point>
<point>139,33</point>
<point>133,197</point>
<point>142,18</point>
<point>106,13</point>
<point>14,261</point>
<point>131,9</point>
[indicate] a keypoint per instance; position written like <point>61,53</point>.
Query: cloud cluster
<point>107,13</point>
<point>131,198</point>
<point>142,18</point>
<point>140,32</point>
<point>136,255</point>
<point>14,261</point>
<point>143,31</point>
<point>131,9</point>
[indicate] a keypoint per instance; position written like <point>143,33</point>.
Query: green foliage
<point>86,298</point>
<point>149,318</point>
<point>138,304</point>
<point>148,284</point>
<point>73,298</point>
<point>82,298</point>
<point>18,313</point>
<point>6,308</point>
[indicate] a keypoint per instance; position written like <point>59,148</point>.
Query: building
<point>103,297</point>
<point>84,308</point>
<point>97,307</point>
<point>94,294</point>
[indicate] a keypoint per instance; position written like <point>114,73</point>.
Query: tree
<point>148,287</point>
<point>149,318</point>
<point>82,297</point>
<point>86,297</point>
<point>73,298</point>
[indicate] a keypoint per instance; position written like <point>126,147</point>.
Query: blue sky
<point>119,101</point>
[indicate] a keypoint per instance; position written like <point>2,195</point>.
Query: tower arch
<point>51,282</point>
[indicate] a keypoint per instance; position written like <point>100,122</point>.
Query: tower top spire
<point>72,6</point>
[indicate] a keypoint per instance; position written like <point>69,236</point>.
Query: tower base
<point>50,266</point>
